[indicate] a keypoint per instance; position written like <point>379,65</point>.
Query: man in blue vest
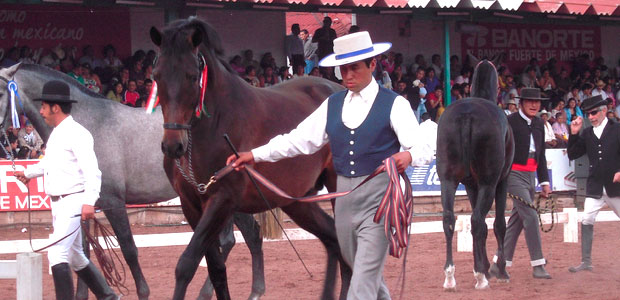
<point>364,125</point>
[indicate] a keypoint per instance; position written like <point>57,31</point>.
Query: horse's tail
<point>466,131</point>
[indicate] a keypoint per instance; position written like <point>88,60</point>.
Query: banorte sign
<point>14,194</point>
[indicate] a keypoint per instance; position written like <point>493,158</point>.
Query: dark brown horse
<point>475,147</point>
<point>250,116</point>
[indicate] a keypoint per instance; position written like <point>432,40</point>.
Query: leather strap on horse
<point>548,208</point>
<point>106,261</point>
<point>394,208</point>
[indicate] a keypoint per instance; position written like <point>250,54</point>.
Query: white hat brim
<point>331,61</point>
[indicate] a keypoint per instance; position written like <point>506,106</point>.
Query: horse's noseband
<point>177,126</point>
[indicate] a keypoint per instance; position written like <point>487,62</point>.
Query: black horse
<point>250,116</point>
<point>475,147</point>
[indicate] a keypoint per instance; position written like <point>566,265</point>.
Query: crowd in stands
<point>129,80</point>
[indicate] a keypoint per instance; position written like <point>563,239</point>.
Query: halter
<point>153,99</point>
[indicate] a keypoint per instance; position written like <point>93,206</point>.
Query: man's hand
<point>403,160</point>
<point>546,191</point>
<point>238,163</point>
<point>88,212</point>
<point>617,177</point>
<point>575,125</point>
<point>21,177</point>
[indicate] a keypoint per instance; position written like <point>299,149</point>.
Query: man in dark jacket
<point>601,143</point>
<point>529,162</point>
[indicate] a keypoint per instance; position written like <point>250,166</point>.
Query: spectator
<point>53,58</point>
<point>91,80</point>
<point>397,75</point>
<point>116,92</point>
<point>436,65</point>
<point>529,78</point>
<point>267,60</point>
<point>76,72</point>
<point>10,150</point>
<point>600,89</point>
<point>549,135</point>
<point>24,152</point>
<point>573,93</point>
<point>148,72</point>
<point>419,62</point>
<point>586,92</point>
<point>250,76</point>
<point>401,88</point>
<point>433,103</point>
<point>269,78</point>
<point>559,107</point>
<point>387,62</point>
<point>236,65</point>
<point>88,57</point>
<point>26,55</point>
<point>533,64</point>
<point>610,95</point>
<point>455,67</point>
<point>421,109</point>
<point>309,51</point>
<point>547,84</point>
<point>315,72</point>
<point>131,96</point>
<point>124,77</point>
<point>560,129</point>
<point>284,74</point>
<point>110,60</point>
<point>572,110</point>
<point>28,137</point>
<point>324,37</point>
<point>294,47</point>
<point>429,130</point>
<point>563,82</point>
<point>136,72</point>
<point>299,72</point>
<point>511,107</point>
<point>430,81</point>
<point>248,59</point>
<point>464,77</point>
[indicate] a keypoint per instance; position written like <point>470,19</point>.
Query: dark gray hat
<point>57,92</point>
<point>531,94</point>
<point>593,102</point>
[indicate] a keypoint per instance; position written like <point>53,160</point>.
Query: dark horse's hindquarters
<point>475,147</point>
<point>250,116</point>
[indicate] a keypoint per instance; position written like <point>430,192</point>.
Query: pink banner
<point>43,27</point>
<point>521,42</point>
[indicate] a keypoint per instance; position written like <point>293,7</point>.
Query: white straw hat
<point>353,47</point>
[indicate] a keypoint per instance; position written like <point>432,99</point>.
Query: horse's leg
<point>216,214</point>
<point>499,228</point>
<point>448,190</point>
<point>251,234</point>
<point>312,218</point>
<point>484,201</point>
<point>120,224</point>
<point>250,229</point>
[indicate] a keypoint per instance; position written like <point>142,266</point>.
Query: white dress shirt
<point>598,130</point>
<point>310,134</point>
<point>69,165</point>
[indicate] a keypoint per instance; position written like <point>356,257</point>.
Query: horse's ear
<point>474,60</point>
<point>155,36</point>
<point>498,58</point>
<point>10,71</point>
<point>197,37</point>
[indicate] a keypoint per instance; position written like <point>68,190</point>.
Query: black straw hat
<point>57,92</point>
<point>593,102</point>
<point>531,94</point>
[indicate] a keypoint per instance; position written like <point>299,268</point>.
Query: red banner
<point>14,194</point>
<point>42,27</point>
<point>521,42</point>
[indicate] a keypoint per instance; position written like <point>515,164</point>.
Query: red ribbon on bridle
<point>396,208</point>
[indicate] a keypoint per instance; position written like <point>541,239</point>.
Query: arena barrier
<point>27,271</point>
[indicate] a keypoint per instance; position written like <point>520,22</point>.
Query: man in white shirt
<point>73,182</point>
<point>364,125</point>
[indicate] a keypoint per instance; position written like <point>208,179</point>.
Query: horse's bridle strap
<point>177,126</point>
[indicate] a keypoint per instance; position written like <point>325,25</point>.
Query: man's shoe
<point>540,272</point>
<point>584,266</point>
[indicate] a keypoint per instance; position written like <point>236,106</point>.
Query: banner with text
<point>14,194</point>
<point>521,42</point>
<point>43,27</point>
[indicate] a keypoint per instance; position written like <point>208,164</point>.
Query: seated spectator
<point>145,91</point>
<point>563,82</point>
<point>88,57</point>
<point>28,137</point>
<point>269,78</point>
<point>124,77</point>
<point>250,76</point>
<point>549,135</point>
<point>26,55</point>
<point>456,92</point>
<point>464,77</point>
<point>585,93</point>
<point>268,60</point>
<point>248,60</point>
<point>91,80</point>
<point>430,81</point>
<point>559,107</point>
<point>299,71</point>
<point>53,58</point>
<point>600,89</point>
<point>131,96</point>
<point>136,72</point>
<point>315,72</point>
<point>24,152</point>
<point>110,60</point>
<point>433,102</point>
<point>397,75</point>
<point>419,63</point>
<point>116,92</point>
<point>387,62</point>
<point>572,110</point>
<point>401,88</point>
<point>611,115</point>
<point>510,107</point>
<point>236,65</point>
<point>547,84</point>
<point>560,129</point>
<point>529,79</point>
<point>41,152</point>
<point>76,72</point>
<point>284,74</point>
<point>148,72</point>
<point>10,150</point>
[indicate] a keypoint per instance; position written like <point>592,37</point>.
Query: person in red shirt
<point>131,96</point>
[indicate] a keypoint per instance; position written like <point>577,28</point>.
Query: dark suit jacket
<point>604,156</point>
<point>521,132</point>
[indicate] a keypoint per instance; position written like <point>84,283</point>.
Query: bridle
<point>202,66</point>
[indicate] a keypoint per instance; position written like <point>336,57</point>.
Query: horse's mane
<point>211,41</point>
<point>60,76</point>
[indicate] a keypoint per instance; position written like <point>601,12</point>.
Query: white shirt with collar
<point>598,130</point>
<point>310,135</point>
<point>69,165</point>
<point>532,144</point>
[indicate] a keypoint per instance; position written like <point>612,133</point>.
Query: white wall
<point>610,47</point>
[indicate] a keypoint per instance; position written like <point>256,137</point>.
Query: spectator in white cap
<point>364,125</point>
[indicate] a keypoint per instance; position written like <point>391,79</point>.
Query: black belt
<point>56,198</point>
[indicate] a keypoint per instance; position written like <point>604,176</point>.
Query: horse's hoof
<point>481,281</point>
<point>254,296</point>
<point>449,289</point>
<point>483,287</point>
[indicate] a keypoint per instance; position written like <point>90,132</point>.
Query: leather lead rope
<point>549,207</point>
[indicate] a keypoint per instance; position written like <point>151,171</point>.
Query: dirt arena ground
<point>286,278</point>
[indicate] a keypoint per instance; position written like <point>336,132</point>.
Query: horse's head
<point>177,72</point>
<point>6,75</point>
<point>484,83</point>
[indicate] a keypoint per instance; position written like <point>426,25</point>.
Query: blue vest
<point>358,152</point>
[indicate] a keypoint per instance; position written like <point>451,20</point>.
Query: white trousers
<point>64,220</point>
<point>592,206</point>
